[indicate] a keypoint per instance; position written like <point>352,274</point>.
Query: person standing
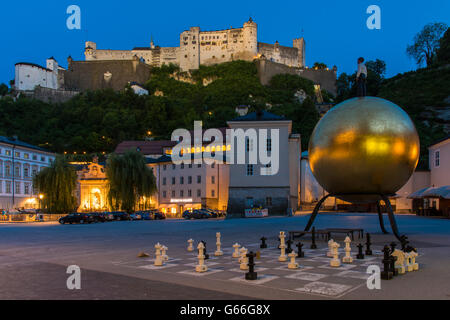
<point>361,76</point>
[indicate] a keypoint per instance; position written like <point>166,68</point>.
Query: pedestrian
<point>361,76</point>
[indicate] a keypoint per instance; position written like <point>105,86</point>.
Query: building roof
<point>33,65</point>
<point>439,141</point>
<point>260,116</point>
<point>431,192</point>
<point>145,147</point>
<point>15,142</point>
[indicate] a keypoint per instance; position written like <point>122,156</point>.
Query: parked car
<point>213,213</point>
<point>120,215</point>
<point>157,215</point>
<point>196,214</point>
<point>77,217</point>
<point>136,216</point>
<point>99,216</point>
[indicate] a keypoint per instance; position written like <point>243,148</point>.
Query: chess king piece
<point>218,252</point>
<point>292,264</point>
<point>400,261</point>
<point>414,264</point>
<point>313,238</point>
<point>300,253</point>
<point>263,243</point>
<point>244,260</point>
<point>251,274</point>
<point>282,257</point>
<point>360,254</point>
<point>348,258</point>
<point>368,244</point>
<point>335,262</point>
<point>159,261</point>
<point>205,253</point>
<point>386,274</point>
<point>164,256</point>
<point>236,247</point>
<point>190,245</point>
<point>201,267</point>
<point>330,248</point>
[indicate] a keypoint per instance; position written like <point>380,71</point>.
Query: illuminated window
<point>213,179</point>
<point>173,210</point>
<point>213,193</point>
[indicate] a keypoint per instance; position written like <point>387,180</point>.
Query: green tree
<point>443,53</point>
<point>426,43</point>
<point>319,65</point>
<point>3,89</point>
<point>129,179</point>
<point>57,184</point>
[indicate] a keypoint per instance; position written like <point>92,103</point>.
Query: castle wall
<point>279,54</point>
<point>28,76</point>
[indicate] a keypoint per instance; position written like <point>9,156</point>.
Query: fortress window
<point>185,55</point>
<point>223,56</point>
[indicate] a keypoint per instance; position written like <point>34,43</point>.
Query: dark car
<point>77,217</point>
<point>157,215</point>
<point>187,214</point>
<point>213,213</point>
<point>196,214</point>
<point>121,215</point>
<point>99,216</point>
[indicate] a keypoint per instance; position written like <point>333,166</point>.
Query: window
<point>164,181</point>
<point>173,180</point>
<point>189,179</point>
<point>17,154</point>
<point>213,193</point>
<point>199,193</point>
<point>43,159</point>
<point>26,156</point>
<point>213,179</point>
<point>8,186</point>
<point>249,170</point>
<point>17,170</point>
<point>181,193</point>
<point>189,193</point>
<point>1,186</point>
<point>26,172</point>
<point>181,180</point>
<point>213,165</point>
<point>164,194</point>
<point>173,167</point>
<point>8,152</point>
<point>26,189</point>
<point>268,201</point>
<point>249,202</point>
<point>7,170</point>
<point>173,193</point>
<point>190,165</point>
<point>199,179</point>
<point>437,158</point>
<point>34,171</point>
<point>164,167</point>
<point>34,157</point>
<point>182,166</point>
<point>199,165</point>
<point>18,188</point>
<point>269,144</point>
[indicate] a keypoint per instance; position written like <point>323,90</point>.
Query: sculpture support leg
<point>380,217</point>
<point>315,212</point>
<point>392,219</point>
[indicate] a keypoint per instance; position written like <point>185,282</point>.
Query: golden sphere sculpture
<point>364,146</point>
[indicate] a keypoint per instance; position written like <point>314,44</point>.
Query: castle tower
<point>251,38</point>
<point>299,43</point>
<point>89,51</point>
<point>52,64</point>
<point>190,49</point>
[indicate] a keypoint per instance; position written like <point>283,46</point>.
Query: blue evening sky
<point>335,30</point>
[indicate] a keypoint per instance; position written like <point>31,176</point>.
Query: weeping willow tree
<point>129,180</point>
<point>57,184</point>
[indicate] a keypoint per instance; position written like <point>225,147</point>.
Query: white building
<point>30,75</point>
<point>19,161</point>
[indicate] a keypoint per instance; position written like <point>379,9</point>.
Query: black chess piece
<point>204,251</point>
<point>263,243</point>
<point>289,243</point>
<point>386,274</point>
<point>360,254</point>
<point>313,238</point>
<point>392,265</point>
<point>393,245</point>
<point>300,253</point>
<point>251,274</point>
<point>404,242</point>
<point>368,244</point>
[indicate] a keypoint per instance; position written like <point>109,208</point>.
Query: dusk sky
<point>335,31</point>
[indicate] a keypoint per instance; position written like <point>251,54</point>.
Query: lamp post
<point>41,196</point>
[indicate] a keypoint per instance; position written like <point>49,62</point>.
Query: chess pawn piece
<point>236,247</point>
<point>386,274</point>
<point>300,253</point>
<point>190,245</point>
<point>251,274</point>
<point>159,261</point>
<point>348,258</point>
<point>205,253</point>
<point>335,262</point>
<point>368,244</point>
<point>360,254</point>
<point>244,260</point>
<point>242,252</point>
<point>292,264</point>
<point>330,248</point>
<point>201,267</point>
<point>218,252</point>
<point>164,256</point>
<point>263,243</point>
<point>414,264</point>
<point>399,264</point>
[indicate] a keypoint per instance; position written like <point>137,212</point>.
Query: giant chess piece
<point>201,267</point>
<point>400,261</point>
<point>300,253</point>
<point>360,254</point>
<point>386,274</point>
<point>242,252</point>
<point>392,264</point>
<point>368,244</point>
<point>330,248</point>
<point>251,274</point>
<point>244,259</point>
<point>414,264</point>
<point>408,259</point>
<point>190,245</point>
<point>289,244</point>
<point>393,245</point>
<point>292,264</point>
<point>313,238</point>
<point>282,257</point>
<point>263,243</point>
<point>164,256</point>
<point>218,252</point>
<point>335,262</point>
<point>348,258</point>
<point>236,247</point>
<point>159,261</point>
<point>205,253</point>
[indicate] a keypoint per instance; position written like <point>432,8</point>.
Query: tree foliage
<point>319,65</point>
<point>129,180</point>
<point>443,53</point>
<point>57,184</point>
<point>3,89</point>
<point>426,43</point>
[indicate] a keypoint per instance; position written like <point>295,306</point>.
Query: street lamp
<point>41,196</point>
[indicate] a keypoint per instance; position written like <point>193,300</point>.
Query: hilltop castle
<point>207,48</point>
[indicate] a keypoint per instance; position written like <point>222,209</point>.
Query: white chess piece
<point>201,267</point>
<point>330,248</point>
<point>282,257</point>
<point>241,254</point>
<point>164,256</point>
<point>236,247</point>
<point>414,264</point>
<point>218,244</point>
<point>159,261</point>
<point>292,264</point>
<point>190,246</point>
<point>348,258</point>
<point>408,265</point>
<point>335,262</point>
<point>400,262</point>
<point>244,259</point>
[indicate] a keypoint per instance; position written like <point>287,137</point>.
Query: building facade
<point>197,47</point>
<point>30,75</point>
<point>19,162</point>
<point>92,190</point>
